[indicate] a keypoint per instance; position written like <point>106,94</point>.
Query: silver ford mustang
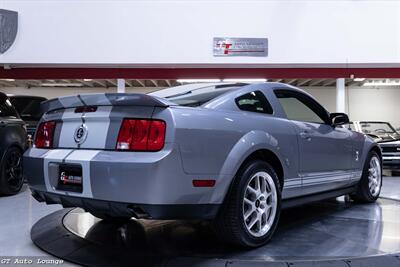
<point>235,154</point>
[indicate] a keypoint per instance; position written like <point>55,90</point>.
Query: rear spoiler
<point>112,99</point>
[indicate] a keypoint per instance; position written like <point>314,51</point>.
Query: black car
<point>387,138</point>
<point>28,108</point>
<point>12,145</point>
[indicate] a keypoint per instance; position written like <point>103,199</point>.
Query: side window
<point>255,102</point>
<point>301,108</point>
<point>6,109</point>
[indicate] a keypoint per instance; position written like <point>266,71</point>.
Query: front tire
<point>370,184</point>
<point>251,211</point>
<point>11,176</point>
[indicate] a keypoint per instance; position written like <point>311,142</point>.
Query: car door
<point>324,150</point>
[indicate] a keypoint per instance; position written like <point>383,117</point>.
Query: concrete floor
<point>20,212</point>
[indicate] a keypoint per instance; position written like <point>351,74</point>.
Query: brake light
<point>141,135</point>
<point>44,134</point>
<point>85,109</point>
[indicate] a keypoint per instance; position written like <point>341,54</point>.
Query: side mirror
<point>339,119</point>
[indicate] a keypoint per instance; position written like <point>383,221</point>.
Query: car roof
<point>26,96</point>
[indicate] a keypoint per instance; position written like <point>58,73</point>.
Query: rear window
<point>6,108</point>
<point>197,97</point>
<point>28,107</point>
<point>254,102</point>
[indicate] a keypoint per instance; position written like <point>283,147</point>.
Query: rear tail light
<point>141,135</point>
<point>44,134</point>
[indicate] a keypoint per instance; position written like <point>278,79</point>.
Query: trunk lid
<point>92,121</point>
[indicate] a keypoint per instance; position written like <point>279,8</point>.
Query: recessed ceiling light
<point>87,80</point>
<point>246,80</point>
<point>61,84</point>
<point>8,80</point>
<point>380,83</point>
<point>198,80</point>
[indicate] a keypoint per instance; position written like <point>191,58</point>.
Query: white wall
<point>363,103</point>
<point>53,92</point>
<point>131,32</point>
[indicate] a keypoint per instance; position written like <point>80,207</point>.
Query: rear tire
<point>11,175</point>
<point>370,184</point>
<point>251,211</point>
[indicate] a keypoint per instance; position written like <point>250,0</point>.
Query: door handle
<point>305,135</point>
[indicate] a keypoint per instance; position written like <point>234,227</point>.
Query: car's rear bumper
<point>120,209</point>
<point>391,161</point>
<point>155,182</point>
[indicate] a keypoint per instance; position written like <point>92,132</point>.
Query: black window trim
<point>316,107</point>
<point>256,112</point>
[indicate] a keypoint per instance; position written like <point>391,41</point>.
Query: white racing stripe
<point>97,124</point>
<point>71,121</point>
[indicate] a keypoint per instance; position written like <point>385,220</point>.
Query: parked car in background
<point>388,139</point>
<point>12,145</point>
<point>28,108</point>
<point>234,154</point>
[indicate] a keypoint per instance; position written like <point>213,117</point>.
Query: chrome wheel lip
<point>259,204</point>
<point>374,176</point>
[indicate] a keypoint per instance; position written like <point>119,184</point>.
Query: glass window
<point>28,107</point>
<point>376,127</point>
<point>254,102</point>
<point>6,109</point>
<point>300,108</point>
<point>185,96</point>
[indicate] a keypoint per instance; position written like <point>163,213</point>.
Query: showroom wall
<point>362,103</point>
<point>163,32</point>
<point>52,92</point>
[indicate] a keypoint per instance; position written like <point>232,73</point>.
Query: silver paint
<point>207,142</point>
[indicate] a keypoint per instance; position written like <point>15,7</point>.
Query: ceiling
<point>131,83</point>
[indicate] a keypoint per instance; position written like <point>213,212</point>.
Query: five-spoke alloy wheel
<point>259,204</point>
<point>369,186</point>
<point>250,213</point>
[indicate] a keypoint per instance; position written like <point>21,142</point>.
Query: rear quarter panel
<point>214,143</point>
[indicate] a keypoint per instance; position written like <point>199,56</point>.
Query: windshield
<point>377,128</point>
<point>27,107</point>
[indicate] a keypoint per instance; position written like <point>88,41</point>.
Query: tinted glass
<point>297,108</point>
<point>377,128</point>
<point>254,102</point>
<point>197,97</point>
<point>6,108</point>
<point>27,107</point>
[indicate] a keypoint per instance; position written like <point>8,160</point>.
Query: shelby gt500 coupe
<point>231,153</point>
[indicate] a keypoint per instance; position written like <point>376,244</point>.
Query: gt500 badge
<point>80,134</point>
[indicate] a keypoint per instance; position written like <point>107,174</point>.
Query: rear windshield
<point>200,96</point>
<point>27,107</point>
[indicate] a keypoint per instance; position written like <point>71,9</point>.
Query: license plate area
<point>70,178</point>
